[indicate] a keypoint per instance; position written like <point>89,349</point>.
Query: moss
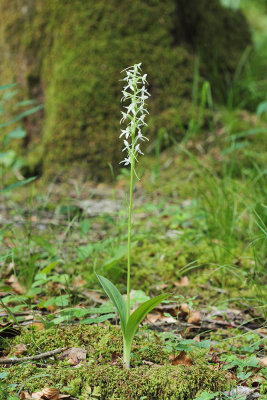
<point>111,382</point>
<point>99,377</point>
<point>70,56</point>
<point>99,341</point>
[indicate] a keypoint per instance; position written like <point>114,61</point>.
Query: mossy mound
<point>70,55</point>
<point>99,377</point>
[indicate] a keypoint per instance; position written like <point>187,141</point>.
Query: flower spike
<point>135,93</point>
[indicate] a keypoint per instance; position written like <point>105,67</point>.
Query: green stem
<point>126,354</point>
<point>129,239</point>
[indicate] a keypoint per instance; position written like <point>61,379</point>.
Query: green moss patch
<point>98,376</point>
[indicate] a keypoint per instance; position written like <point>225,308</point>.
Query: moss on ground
<point>99,377</point>
<point>70,55</point>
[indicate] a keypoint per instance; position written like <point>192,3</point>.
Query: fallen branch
<point>16,360</point>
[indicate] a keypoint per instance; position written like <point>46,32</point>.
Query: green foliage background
<point>68,54</point>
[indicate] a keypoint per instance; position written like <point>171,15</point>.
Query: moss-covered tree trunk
<point>68,54</point>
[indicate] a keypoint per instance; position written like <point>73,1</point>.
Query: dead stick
<point>36,357</point>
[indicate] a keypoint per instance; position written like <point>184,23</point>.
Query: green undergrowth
<point>99,376</point>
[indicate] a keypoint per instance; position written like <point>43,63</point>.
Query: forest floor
<point>199,233</point>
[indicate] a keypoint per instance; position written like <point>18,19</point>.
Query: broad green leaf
<point>116,299</point>
<point>9,86</point>
<point>3,375</point>
<point>17,184</point>
<point>139,314</point>
<point>262,108</point>
<point>49,267</point>
<point>207,396</point>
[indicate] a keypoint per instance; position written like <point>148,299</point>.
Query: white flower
<point>126,161</point>
<point>135,111</point>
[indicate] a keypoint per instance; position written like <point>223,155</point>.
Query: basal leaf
<point>116,299</point>
<point>139,314</point>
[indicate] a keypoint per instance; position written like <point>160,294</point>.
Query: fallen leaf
<point>94,296</point>
<point>184,281</point>
<point>257,380</point>
<point>78,282</point>
<point>39,326</point>
<point>152,318</point>
<point>45,394</point>
<point>149,363</point>
<point>16,286</point>
<point>161,286</point>
<point>262,361</point>
<point>20,349</point>
<point>185,308</point>
<point>24,395</point>
<point>194,317</point>
<point>50,394</point>
<point>182,359</point>
<point>114,357</point>
<point>74,355</point>
<point>51,308</point>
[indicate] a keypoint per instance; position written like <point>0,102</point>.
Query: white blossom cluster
<point>135,93</point>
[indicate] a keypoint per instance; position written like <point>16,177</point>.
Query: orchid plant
<point>135,95</point>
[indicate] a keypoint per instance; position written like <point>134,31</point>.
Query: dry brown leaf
<point>185,308</point>
<point>74,355</point>
<point>262,330</point>
<point>16,286</point>
<point>262,361</point>
<point>78,282</point>
<point>182,359</point>
<point>45,394</point>
<point>39,326</point>
<point>94,296</point>
<point>148,363</point>
<point>20,349</point>
<point>194,317</point>
<point>114,357</point>
<point>161,286</point>
<point>51,308</point>
<point>184,281</point>
<point>152,318</point>
<point>256,380</point>
<point>50,394</point>
<point>24,395</point>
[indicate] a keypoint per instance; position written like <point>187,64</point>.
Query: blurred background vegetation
<point>200,57</point>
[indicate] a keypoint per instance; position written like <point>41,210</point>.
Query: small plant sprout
<point>135,95</point>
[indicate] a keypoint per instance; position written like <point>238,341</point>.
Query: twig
<point>15,360</point>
